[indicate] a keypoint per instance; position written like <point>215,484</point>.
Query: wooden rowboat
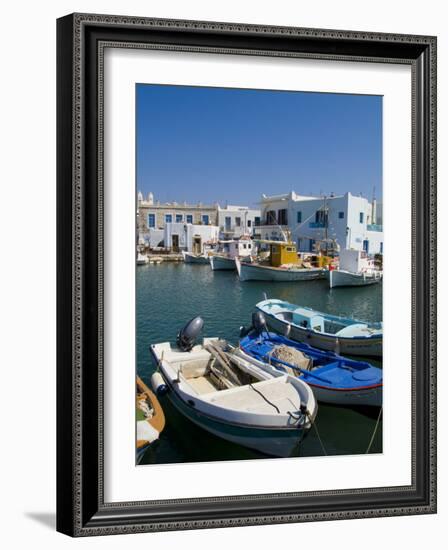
<point>149,416</point>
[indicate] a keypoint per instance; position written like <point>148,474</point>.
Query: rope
<point>265,398</point>
<point>374,431</point>
<point>314,424</point>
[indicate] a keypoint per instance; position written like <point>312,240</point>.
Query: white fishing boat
<point>355,269</point>
<point>224,392</point>
<point>282,265</point>
<point>190,258</point>
<point>142,259</point>
<point>322,330</point>
<point>224,258</point>
<point>220,262</point>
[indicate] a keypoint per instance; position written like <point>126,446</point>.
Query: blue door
<point>365,246</point>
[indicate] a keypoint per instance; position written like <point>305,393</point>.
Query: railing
<point>374,227</point>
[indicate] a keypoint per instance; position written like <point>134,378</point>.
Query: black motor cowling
<point>186,338</point>
<point>259,322</point>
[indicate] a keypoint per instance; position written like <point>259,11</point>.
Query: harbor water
<point>170,294</point>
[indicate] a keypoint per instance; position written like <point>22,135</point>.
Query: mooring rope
<point>314,424</point>
<point>374,431</point>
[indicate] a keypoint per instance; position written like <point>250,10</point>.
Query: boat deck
<point>260,397</point>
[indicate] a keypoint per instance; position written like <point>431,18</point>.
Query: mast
<point>326,225</point>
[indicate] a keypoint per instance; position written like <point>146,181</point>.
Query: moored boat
<point>219,262</point>
<point>333,379</point>
<point>283,265</point>
<point>200,259</point>
<point>322,330</point>
<point>340,277</point>
<point>355,269</point>
<point>224,258</point>
<point>224,392</point>
<point>149,416</point>
<point>141,259</point>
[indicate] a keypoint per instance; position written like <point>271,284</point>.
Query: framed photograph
<point>246,274</point>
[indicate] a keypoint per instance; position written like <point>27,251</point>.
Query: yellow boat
<point>283,265</point>
<point>149,417</point>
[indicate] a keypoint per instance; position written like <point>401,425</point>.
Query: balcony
<point>375,227</point>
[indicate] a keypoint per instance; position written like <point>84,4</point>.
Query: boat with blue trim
<point>322,330</point>
<point>333,379</point>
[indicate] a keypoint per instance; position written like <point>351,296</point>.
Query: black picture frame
<point>81,510</point>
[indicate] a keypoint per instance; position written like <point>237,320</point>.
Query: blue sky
<point>228,145</point>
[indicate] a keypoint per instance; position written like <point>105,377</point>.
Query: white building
<point>347,219</point>
<point>235,221</point>
<point>189,237</point>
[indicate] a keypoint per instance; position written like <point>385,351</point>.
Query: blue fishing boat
<point>333,379</point>
<point>322,330</point>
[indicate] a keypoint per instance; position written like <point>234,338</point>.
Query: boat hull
<point>278,442</point>
<point>346,278</point>
<point>220,263</point>
<point>367,347</point>
<point>192,259</point>
<point>355,397</point>
<point>255,272</point>
<point>335,386</point>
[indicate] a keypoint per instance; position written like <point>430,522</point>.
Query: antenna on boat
<point>265,296</point>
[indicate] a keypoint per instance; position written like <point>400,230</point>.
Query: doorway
<point>197,244</point>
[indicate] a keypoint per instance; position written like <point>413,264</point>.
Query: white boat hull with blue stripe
<point>323,331</point>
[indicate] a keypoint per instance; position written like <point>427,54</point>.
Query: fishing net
<point>292,356</point>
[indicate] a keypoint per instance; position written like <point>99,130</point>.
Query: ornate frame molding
<point>81,42</point>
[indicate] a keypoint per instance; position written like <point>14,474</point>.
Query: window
<point>238,222</point>
<point>322,217</point>
<point>270,217</point>
<point>189,218</point>
<point>361,217</point>
<point>249,223</point>
<point>205,219</point>
<point>299,217</point>
<point>228,223</point>
<point>168,218</point>
<point>257,221</point>
<point>341,215</point>
<point>179,218</point>
<point>381,248</point>
<point>151,220</point>
<point>283,217</point>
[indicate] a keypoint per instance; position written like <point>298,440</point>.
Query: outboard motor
<point>186,338</point>
<point>259,322</point>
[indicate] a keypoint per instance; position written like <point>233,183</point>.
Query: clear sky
<point>227,145</point>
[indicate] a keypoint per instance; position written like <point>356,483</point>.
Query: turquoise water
<point>170,294</point>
